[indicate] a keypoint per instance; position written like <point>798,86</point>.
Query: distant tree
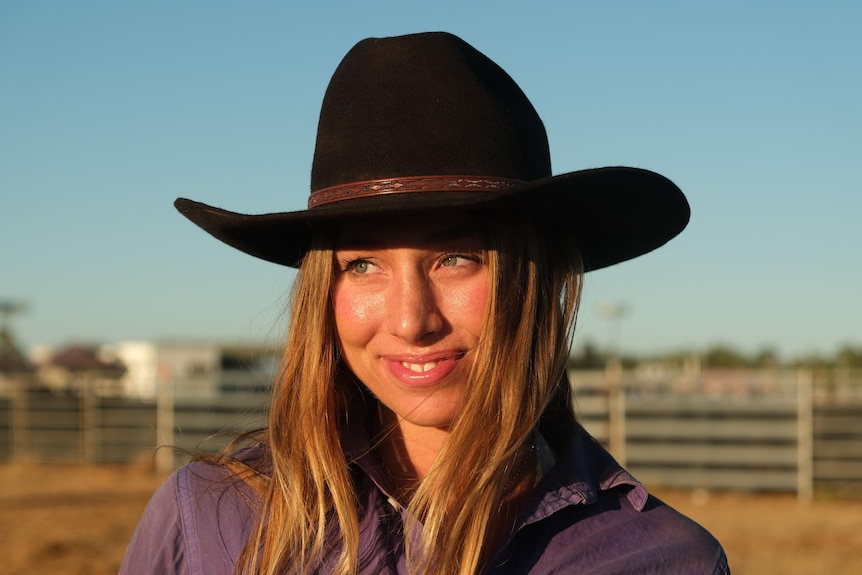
<point>588,357</point>
<point>724,356</point>
<point>849,356</point>
<point>813,361</point>
<point>766,357</point>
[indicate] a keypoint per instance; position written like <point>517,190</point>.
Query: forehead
<point>414,230</point>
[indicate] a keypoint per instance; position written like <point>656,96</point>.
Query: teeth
<point>419,368</point>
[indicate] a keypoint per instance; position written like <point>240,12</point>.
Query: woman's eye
<point>453,260</point>
<point>358,267</point>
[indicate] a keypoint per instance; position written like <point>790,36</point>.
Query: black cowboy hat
<point>425,121</point>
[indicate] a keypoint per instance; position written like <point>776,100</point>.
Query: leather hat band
<point>408,185</point>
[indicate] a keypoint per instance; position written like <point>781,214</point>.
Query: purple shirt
<point>587,516</point>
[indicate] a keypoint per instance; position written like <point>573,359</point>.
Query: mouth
<point>420,367</point>
<point>425,370</point>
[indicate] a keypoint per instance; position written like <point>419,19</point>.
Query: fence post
<point>20,436</point>
<point>165,440</point>
<point>616,410</point>
<point>805,437</point>
<point>89,439</point>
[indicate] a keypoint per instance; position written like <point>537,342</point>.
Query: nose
<point>413,311</point>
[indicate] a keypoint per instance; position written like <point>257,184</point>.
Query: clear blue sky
<point>110,110</point>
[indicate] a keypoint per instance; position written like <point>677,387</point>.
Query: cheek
<point>469,305</point>
<point>355,317</point>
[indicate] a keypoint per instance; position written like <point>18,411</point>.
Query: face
<point>410,300</point>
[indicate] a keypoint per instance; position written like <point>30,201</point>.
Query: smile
<point>425,370</point>
<point>420,367</point>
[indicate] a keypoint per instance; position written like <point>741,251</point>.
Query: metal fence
<point>837,446</point>
<point>756,430</point>
<point>40,426</point>
<point>778,430</point>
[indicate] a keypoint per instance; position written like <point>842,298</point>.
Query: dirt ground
<point>73,520</point>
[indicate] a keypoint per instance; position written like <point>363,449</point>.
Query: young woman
<point>422,419</point>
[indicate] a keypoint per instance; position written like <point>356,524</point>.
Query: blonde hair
<point>518,376</point>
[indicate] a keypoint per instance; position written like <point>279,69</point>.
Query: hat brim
<point>614,213</point>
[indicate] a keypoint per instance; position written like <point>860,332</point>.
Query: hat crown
<point>425,104</point>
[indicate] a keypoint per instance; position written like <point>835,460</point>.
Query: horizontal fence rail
<point>763,430</point>
<point>767,430</point>
<point>695,441</point>
<point>837,445</point>
<point>209,426</point>
<point>39,426</point>
<point>124,430</point>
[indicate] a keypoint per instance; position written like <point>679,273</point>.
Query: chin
<point>427,416</point>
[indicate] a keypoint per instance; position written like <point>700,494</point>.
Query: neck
<point>408,451</point>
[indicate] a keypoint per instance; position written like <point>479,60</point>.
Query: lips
<point>423,371</point>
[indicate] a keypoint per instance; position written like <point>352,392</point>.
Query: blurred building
<point>194,369</point>
<point>77,368</point>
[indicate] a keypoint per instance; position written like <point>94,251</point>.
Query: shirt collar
<point>575,470</point>
<point>583,470</point>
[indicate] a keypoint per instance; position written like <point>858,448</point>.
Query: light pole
<point>614,313</point>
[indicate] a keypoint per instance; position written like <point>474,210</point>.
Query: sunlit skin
<point>410,298</point>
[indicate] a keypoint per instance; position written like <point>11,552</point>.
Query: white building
<point>194,369</point>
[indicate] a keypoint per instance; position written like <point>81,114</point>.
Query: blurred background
<point>726,364</point>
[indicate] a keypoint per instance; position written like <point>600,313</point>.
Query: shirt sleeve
<point>158,546</point>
